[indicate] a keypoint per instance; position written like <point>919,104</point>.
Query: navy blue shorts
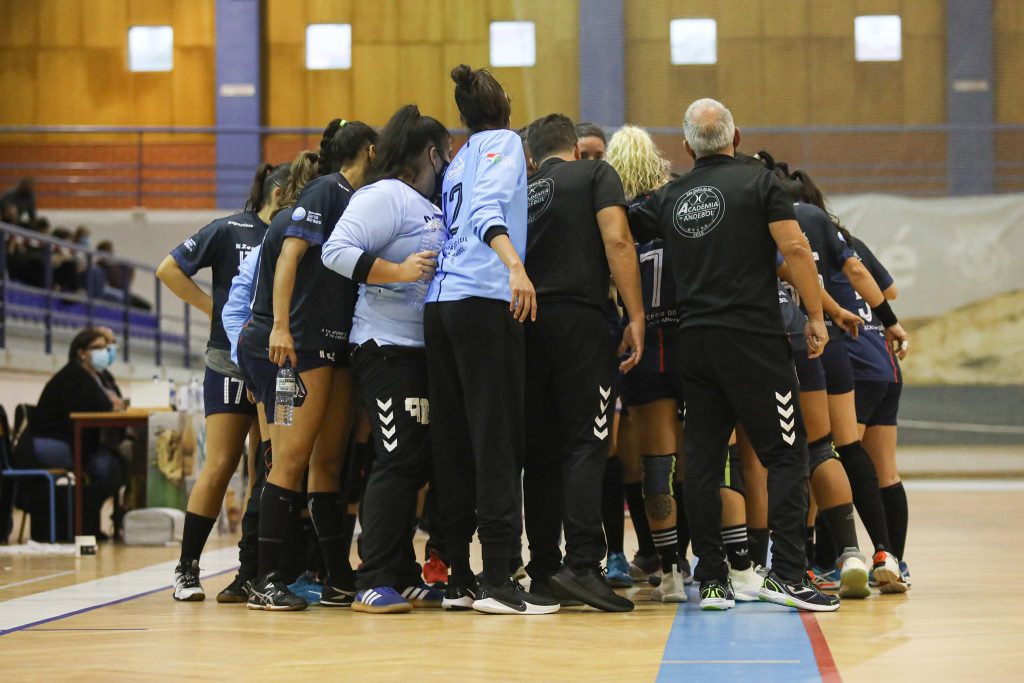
<point>838,369</point>
<point>878,403</point>
<point>261,374</point>
<point>224,394</point>
<point>809,371</point>
<point>641,387</point>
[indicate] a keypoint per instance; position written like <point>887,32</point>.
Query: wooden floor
<point>963,620</point>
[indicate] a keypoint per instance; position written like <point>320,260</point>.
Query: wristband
<point>885,314</point>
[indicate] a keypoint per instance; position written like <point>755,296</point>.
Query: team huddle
<point>461,330</point>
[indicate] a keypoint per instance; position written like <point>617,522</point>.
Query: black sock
<point>612,511</point>
<point>496,561</point>
<point>458,554</point>
<point>866,495</point>
<point>329,512</point>
<point>682,524</point>
<point>824,556</point>
<point>734,538</point>
<point>193,537</point>
<point>841,527</point>
<point>635,498</point>
<point>895,500</point>
<point>277,518</point>
<point>809,543</point>
<point>758,540</point>
<point>667,543</point>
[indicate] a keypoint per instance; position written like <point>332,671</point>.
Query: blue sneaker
<point>617,574</point>
<point>423,595</point>
<point>307,588</point>
<point>381,600</point>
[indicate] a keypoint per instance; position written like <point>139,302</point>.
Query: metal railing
<point>176,167</point>
<point>135,326</point>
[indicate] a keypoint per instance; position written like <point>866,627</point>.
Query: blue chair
<point>52,477</point>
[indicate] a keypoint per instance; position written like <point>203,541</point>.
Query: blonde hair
<point>637,160</point>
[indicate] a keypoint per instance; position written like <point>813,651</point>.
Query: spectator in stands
<point>8,212</point>
<point>77,387</point>
<point>23,196</point>
<point>110,279</point>
<point>65,265</point>
<point>82,236</point>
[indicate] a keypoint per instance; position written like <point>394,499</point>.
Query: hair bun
<point>463,76</point>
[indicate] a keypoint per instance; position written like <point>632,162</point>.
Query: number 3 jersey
<point>221,245</point>
<point>484,192</point>
<point>869,352</point>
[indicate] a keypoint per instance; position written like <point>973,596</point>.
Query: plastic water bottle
<point>195,390</point>
<point>284,402</point>
<point>431,239</point>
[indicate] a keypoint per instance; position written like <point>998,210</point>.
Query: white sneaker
<point>186,583</point>
<point>671,589</point>
<point>684,565</point>
<point>746,584</point>
<point>886,572</point>
<point>853,578</point>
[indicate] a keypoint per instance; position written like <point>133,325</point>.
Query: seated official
<point>78,387</point>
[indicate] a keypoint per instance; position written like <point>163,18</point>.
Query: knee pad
<point>658,473</point>
<point>821,451</point>
<point>732,477</point>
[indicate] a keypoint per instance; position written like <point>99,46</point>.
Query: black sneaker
<point>802,595</point>
<point>186,583</point>
<point>543,588</point>
<point>716,595</point>
<point>589,587</point>
<point>271,593</point>
<point>512,598</point>
<point>238,591</point>
<point>334,596</point>
<point>460,593</point>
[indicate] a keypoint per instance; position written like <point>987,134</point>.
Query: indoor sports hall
<point>300,378</point>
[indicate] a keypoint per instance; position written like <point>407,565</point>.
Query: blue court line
<point>63,630</point>
<point>752,642</point>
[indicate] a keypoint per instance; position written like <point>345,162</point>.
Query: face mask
<point>112,350</point>
<point>100,359</point>
<point>439,183</point>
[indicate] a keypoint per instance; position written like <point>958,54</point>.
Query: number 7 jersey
<point>484,190</point>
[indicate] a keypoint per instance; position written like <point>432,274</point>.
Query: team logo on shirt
<point>298,214</point>
<point>540,193</point>
<point>190,244</point>
<point>698,211</point>
<point>456,169</point>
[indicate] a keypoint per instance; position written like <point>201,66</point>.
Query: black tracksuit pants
<point>475,364</point>
<point>568,433</point>
<point>729,376</point>
<point>393,384</point>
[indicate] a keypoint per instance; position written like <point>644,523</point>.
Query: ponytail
<point>303,169</point>
<point>403,139</point>
<point>256,194</point>
<point>341,142</point>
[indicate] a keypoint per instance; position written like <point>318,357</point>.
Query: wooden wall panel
<point>403,52</point>
<point>68,62</point>
<point>788,62</point>
<point>1009,61</point>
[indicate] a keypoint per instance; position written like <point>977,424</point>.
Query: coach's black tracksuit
<point>734,358</point>
<point>568,370</point>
